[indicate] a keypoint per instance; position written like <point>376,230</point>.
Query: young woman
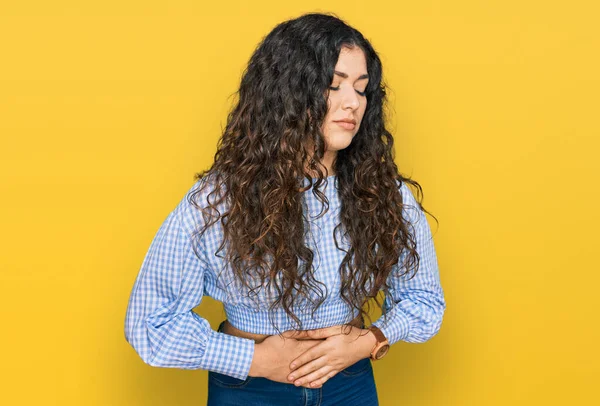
<point>298,226</point>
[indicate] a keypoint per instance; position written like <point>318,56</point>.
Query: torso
<point>228,328</point>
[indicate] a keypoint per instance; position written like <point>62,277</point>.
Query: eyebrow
<point>345,75</point>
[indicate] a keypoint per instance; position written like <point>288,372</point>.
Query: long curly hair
<point>266,158</point>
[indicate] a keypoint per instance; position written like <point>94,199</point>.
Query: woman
<point>302,220</point>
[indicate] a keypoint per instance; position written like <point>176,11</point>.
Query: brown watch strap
<point>380,343</point>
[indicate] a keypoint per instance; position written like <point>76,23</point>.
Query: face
<point>347,99</point>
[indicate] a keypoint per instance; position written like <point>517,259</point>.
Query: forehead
<point>352,61</point>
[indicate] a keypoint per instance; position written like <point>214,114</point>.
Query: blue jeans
<point>353,386</point>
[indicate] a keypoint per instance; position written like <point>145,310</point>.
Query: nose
<point>350,99</point>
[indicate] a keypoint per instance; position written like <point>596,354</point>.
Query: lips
<point>347,120</point>
<point>345,125</point>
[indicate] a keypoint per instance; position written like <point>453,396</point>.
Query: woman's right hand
<point>272,357</point>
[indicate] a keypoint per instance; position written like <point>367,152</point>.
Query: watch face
<point>382,351</point>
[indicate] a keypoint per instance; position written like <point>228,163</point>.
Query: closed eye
<point>338,88</point>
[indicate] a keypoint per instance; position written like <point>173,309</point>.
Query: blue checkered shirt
<point>164,330</point>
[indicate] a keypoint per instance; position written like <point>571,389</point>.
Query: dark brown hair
<point>273,142</point>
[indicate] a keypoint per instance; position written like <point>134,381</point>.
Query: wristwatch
<point>381,346</point>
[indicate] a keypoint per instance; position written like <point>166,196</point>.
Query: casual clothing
<point>165,332</point>
<point>352,386</point>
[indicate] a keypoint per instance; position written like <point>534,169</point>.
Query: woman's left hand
<point>342,346</point>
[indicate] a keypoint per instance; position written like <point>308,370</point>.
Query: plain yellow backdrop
<point>107,109</point>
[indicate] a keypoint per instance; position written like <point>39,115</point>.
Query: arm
<point>419,304</point>
<point>160,323</point>
<point>416,315</point>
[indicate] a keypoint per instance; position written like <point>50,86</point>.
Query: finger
<point>326,332</point>
<point>320,333</point>
<point>319,382</point>
<point>317,351</point>
<point>314,376</point>
<point>307,369</point>
<point>298,334</point>
<point>293,334</point>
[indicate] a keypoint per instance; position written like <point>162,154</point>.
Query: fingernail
<point>293,366</point>
<point>297,383</point>
<point>291,378</point>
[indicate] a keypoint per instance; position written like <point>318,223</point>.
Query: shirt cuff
<point>396,327</point>
<point>228,355</point>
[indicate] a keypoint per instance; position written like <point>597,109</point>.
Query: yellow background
<point>108,108</point>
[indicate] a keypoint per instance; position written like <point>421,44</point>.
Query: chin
<point>339,141</point>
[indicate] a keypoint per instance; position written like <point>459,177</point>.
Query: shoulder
<point>411,208</point>
<point>408,198</point>
<point>190,208</point>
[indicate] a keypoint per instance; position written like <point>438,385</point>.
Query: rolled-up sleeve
<point>160,323</point>
<point>418,305</point>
